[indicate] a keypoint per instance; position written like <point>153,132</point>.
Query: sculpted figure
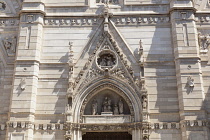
<point>107,105</point>
<point>144,103</point>
<point>120,104</point>
<point>190,83</point>
<point>116,111</point>
<point>94,107</point>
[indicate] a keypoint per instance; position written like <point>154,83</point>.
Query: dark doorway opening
<point>107,136</point>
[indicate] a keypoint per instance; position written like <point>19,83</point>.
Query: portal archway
<point>129,121</point>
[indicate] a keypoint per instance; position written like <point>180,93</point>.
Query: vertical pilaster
<point>188,67</point>
<point>23,100</point>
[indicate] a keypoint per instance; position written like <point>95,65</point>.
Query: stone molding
<point>205,18</point>
<point>71,21</point>
<point>9,22</point>
<point>103,127</point>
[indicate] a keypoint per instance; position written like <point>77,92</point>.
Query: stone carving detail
<point>71,22</point>
<point>106,60</point>
<point>107,105</point>
<point>94,107</point>
<point>204,41</point>
<point>10,45</point>
<point>140,20</point>
<point>190,83</point>
<point>106,101</point>
<point>23,84</point>
<point>107,1</point>
<point>2,6</point>
<point>140,52</point>
<point>121,106</point>
<point>71,71</point>
<point>110,127</point>
<point>115,70</point>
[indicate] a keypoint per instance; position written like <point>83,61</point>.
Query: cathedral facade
<point>104,70</point>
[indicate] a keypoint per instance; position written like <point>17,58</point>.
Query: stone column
<point>23,100</point>
<point>188,67</point>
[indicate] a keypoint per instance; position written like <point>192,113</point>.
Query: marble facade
<point>71,67</point>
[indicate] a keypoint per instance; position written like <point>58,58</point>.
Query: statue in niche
<point>94,107</point>
<point>120,104</point>
<point>68,109</point>
<point>190,83</point>
<point>107,105</point>
<point>116,110</point>
<point>144,103</point>
<point>106,60</point>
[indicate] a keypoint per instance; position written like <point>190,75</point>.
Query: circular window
<point>106,59</point>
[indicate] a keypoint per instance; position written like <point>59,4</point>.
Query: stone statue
<point>107,105</point>
<point>190,83</point>
<point>144,104</point>
<point>68,109</point>
<point>94,107</point>
<point>120,104</point>
<point>116,111</point>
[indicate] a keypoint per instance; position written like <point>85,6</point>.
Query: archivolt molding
<point>101,88</point>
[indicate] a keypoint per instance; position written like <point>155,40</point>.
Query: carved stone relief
<point>10,45</point>
<point>106,102</point>
<point>108,1</point>
<point>2,6</point>
<point>113,89</point>
<point>106,60</point>
<point>204,41</point>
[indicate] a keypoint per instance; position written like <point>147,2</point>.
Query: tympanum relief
<point>107,103</point>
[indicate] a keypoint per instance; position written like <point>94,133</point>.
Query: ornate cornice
<point>139,20</point>
<point>72,21</point>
